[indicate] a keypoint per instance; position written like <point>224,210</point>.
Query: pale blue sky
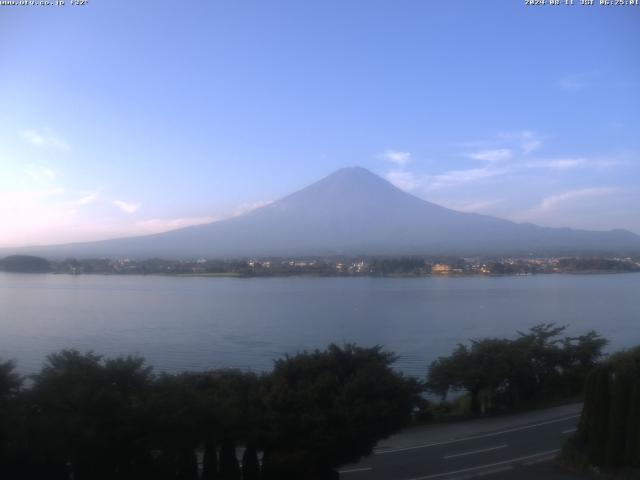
<point>121,118</point>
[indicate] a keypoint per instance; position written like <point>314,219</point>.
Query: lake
<point>196,323</point>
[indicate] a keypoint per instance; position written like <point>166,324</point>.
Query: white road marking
<point>475,437</point>
<point>490,465</point>
<point>495,470</point>
<point>355,470</point>
<point>484,473</point>
<point>476,451</point>
<point>539,460</point>
<point>571,430</point>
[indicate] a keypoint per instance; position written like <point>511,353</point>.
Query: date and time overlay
<point>43,3</point>
<point>531,3</point>
<point>583,3</point>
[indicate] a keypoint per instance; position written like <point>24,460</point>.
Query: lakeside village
<point>362,266</point>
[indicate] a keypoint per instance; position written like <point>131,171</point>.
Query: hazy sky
<point>124,117</point>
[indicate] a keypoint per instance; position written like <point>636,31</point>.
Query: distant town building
<point>441,268</point>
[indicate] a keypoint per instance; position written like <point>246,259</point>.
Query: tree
<point>229,410</point>
<point>210,460</point>
<point>229,466</point>
<point>24,264</point>
<point>490,371</point>
<point>327,408</point>
<point>621,389</point>
<point>174,422</point>
<point>501,374</point>
<point>585,425</point>
<point>540,347</point>
<point>10,381</point>
<point>187,465</point>
<point>250,464</point>
<point>10,426</point>
<point>581,355</point>
<point>90,413</point>
<point>449,373</point>
<point>632,443</point>
<point>609,430</point>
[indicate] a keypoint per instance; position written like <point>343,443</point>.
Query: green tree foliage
<point>250,463</point>
<point>91,414</point>
<point>609,429</point>
<point>210,460</point>
<point>24,264</point>
<point>580,355</point>
<point>597,435</point>
<point>229,466</point>
<point>187,464</point>
<point>398,266</point>
<point>327,408</point>
<point>595,264</point>
<point>90,418</point>
<point>483,370</point>
<point>10,384</point>
<point>588,416</point>
<point>10,381</point>
<point>632,444</point>
<point>500,374</point>
<point>621,389</point>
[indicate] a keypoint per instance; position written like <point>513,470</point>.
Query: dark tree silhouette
<point>609,429</point>
<point>327,408</point>
<point>10,381</point>
<point>89,414</point>
<point>250,464</point>
<point>229,466</point>
<point>632,444</point>
<point>210,460</point>
<point>500,374</point>
<point>24,264</point>
<point>187,465</point>
<point>93,418</point>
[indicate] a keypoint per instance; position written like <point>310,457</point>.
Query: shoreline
<point>312,275</point>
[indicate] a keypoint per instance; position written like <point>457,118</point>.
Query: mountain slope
<point>353,212</point>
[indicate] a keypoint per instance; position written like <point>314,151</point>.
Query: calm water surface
<point>199,323</point>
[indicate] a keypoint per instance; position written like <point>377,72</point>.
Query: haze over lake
<point>200,323</point>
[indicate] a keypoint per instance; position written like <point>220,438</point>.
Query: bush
<point>609,430</point>
<point>94,418</point>
<point>501,374</point>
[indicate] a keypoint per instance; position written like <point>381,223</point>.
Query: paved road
<point>520,448</point>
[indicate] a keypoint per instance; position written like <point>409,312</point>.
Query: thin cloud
<point>578,208</point>
<point>571,83</point>
<point>34,216</point>
<point>397,157</point>
<point>558,164</point>
<point>578,81</point>
<point>554,201</point>
<point>126,206</point>
<point>571,163</point>
<point>529,142</point>
<point>249,207</point>
<point>454,178</point>
<point>525,142</point>
<point>410,181</point>
<point>563,208</point>
<point>159,225</point>
<point>40,173</point>
<point>474,206</point>
<point>87,199</point>
<point>492,156</point>
<point>403,179</point>
<point>45,138</point>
